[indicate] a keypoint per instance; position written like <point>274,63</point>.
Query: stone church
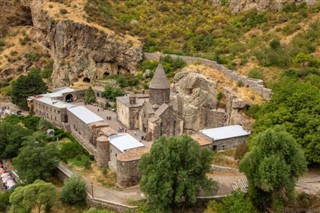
<point>155,114</point>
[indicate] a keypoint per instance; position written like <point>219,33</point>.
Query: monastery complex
<point>154,114</point>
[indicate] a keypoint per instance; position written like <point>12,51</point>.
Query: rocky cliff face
<point>241,5</point>
<point>81,51</point>
<point>197,102</point>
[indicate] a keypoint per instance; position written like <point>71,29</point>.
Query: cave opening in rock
<point>106,74</point>
<point>86,80</point>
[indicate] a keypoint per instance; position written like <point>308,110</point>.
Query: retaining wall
<point>254,84</point>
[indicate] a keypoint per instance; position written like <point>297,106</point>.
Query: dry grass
<point>95,175</point>
<point>220,159</point>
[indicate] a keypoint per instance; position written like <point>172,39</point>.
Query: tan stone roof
<point>107,131</point>
<point>161,109</point>
<point>201,139</point>
<point>133,154</point>
<point>102,138</point>
<point>159,80</point>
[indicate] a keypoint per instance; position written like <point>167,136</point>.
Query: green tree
<point>74,190</point>
<point>4,200</point>
<point>111,93</point>
<point>174,172</point>
<point>11,138</point>
<point>26,86</point>
<point>36,160</point>
<point>39,195</point>
<point>272,167</point>
<point>237,202</point>
<point>89,96</point>
<point>295,105</point>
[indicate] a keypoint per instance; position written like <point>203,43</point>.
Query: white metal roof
<point>124,142</point>
<point>225,132</point>
<point>85,114</point>
<point>59,92</point>
<point>53,102</point>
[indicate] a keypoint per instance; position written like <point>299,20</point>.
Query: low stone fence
<point>64,173</point>
<point>254,84</point>
<point>217,168</point>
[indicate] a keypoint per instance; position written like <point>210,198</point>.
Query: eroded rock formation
<point>197,102</point>
<point>80,50</point>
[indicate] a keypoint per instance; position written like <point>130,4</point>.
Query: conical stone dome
<point>159,87</point>
<point>159,80</point>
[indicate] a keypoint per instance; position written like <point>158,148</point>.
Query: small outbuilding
<point>121,143</point>
<point>226,137</point>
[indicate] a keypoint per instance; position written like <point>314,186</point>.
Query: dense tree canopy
<point>272,167</point>
<point>174,171</point>
<point>36,160</point>
<point>11,138</point>
<point>39,195</point>
<point>26,86</point>
<point>295,105</point>
<point>89,96</point>
<point>237,202</point>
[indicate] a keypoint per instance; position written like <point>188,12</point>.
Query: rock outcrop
<point>81,50</point>
<point>196,95</point>
<point>197,102</point>
<point>241,5</point>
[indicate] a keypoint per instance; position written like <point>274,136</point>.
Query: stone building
<point>155,114</point>
<point>119,144</point>
<point>224,137</point>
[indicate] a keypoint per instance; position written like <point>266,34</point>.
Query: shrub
<point>254,73</point>
<point>74,190</point>
<point>240,83</point>
<point>241,150</point>
<point>63,11</point>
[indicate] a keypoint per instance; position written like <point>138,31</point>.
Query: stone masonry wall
<point>127,173</point>
<point>229,143</point>
<point>254,84</point>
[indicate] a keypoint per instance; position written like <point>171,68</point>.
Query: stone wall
<point>114,152</point>
<point>215,118</point>
<point>51,113</point>
<point>127,173</point>
<point>229,143</point>
<point>123,113</point>
<point>254,84</point>
<point>159,96</point>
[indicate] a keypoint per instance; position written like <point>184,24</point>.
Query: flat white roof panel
<point>124,142</point>
<point>85,114</point>
<point>59,92</point>
<point>225,132</point>
<point>53,102</point>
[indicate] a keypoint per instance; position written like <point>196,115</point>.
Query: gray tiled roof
<point>159,80</point>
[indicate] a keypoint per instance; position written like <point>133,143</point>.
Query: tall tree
<point>272,167</point>
<point>74,190</point>
<point>39,195</point>
<point>36,160</point>
<point>174,172</point>
<point>26,86</point>
<point>89,96</point>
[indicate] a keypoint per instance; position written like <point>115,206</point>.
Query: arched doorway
<point>86,80</point>
<point>69,98</point>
